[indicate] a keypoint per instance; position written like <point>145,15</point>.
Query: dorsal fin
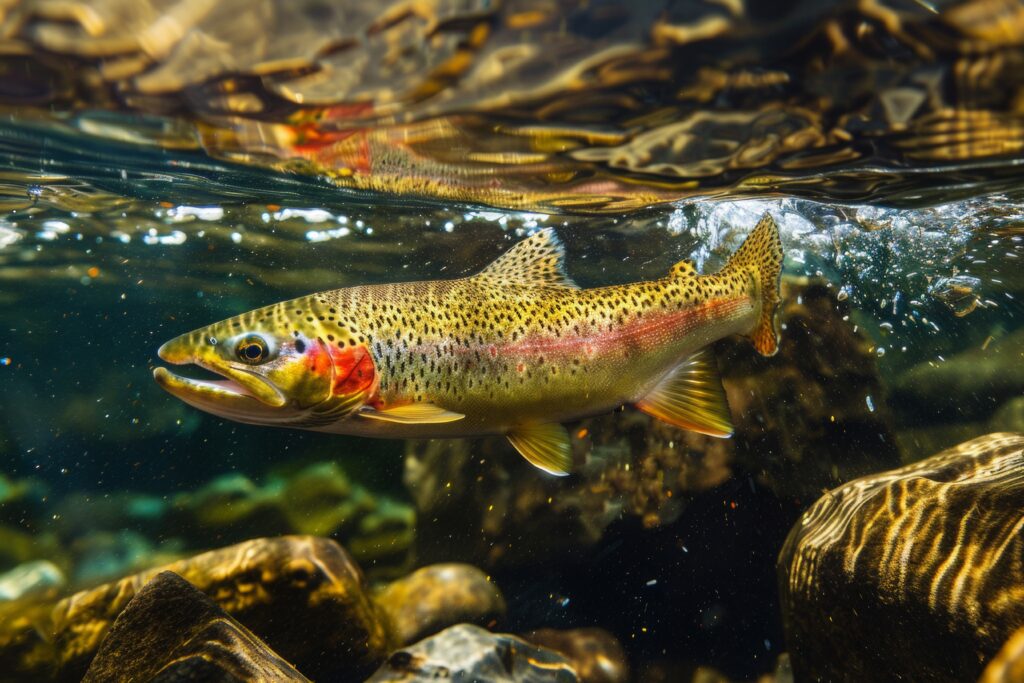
<point>685,268</point>
<point>538,261</point>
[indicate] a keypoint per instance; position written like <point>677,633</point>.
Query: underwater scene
<point>512,341</point>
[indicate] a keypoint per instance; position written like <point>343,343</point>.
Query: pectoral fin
<point>413,413</point>
<point>691,397</point>
<point>545,445</point>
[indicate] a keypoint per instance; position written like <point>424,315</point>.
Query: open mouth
<point>228,387</point>
<point>233,386</point>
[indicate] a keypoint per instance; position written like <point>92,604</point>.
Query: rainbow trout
<point>516,350</point>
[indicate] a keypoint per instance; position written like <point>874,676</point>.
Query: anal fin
<point>691,397</point>
<point>413,413</point>
<point>545,445</point>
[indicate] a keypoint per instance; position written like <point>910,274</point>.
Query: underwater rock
<point>969,386</point>
<point>595,654</point>
<point>81,513</point>
<point>910,574</point>
<point>470,653</point>
<point>384,538</point>
<point>31,579</point>
<point>229,509</point>
<point>814,415</point>
<point>318,500</point>
<point>18,546</point>
<point>26,653</point>
<point>106,555</point>
<point>304,596</point>
<point>705,674</point>
<point>1009,417</point>
<point>490,509</point>
<point>1008,665</point>
<point>487,508</point>
<point>438,596</point>
<point>170,631</point>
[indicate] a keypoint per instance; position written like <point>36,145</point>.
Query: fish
<point>517,349</point>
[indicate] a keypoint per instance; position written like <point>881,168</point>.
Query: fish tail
<point>761,254</point>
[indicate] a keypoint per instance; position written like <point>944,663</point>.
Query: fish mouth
<point>239,389</point>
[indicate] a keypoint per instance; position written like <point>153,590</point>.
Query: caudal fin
<point>761,253</point>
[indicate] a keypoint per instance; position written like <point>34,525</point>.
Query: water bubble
<point>958,293</point>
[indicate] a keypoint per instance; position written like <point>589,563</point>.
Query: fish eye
<point>252,349</point>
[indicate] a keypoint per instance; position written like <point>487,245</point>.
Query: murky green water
<point>902,335</point>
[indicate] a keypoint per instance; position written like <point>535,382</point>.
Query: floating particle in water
<point>870,403</point>
<point>958,293</point>
<point>5,361</point>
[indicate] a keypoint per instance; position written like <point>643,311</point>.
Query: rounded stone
<point>438,596</point>
<point>596,655</point>
<point>302,595</point>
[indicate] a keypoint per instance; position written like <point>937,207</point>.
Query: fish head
<point>267,375</point>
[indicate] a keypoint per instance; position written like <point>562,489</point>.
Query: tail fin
<point>761,252</point>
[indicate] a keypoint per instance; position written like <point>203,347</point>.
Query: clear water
<point>115,235</point>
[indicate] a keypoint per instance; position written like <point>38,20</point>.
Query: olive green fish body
<point>513,350</point>
<point>510,355</point>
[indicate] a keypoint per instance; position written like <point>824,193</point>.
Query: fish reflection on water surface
<point>516,350</point>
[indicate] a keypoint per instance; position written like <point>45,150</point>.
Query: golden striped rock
<point>303,595</point>
<point>171,632</point>
<point>913,574</point>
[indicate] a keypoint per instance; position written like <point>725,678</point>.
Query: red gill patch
<point>354,371</point>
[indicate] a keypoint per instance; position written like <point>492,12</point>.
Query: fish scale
<point>515,350</point>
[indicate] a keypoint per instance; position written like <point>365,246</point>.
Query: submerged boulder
<point>170,631</point>
<point>469,653</point>
<point>317,500</point>
<point>911,574</point>
<point>1008,665</point>
<point>26,653</point>
<point>595,655</point>
<point>970,386</point>
<point>438,596</point>
<point>303,595</point>
<point>31,579</point>
<point>815,415</point>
